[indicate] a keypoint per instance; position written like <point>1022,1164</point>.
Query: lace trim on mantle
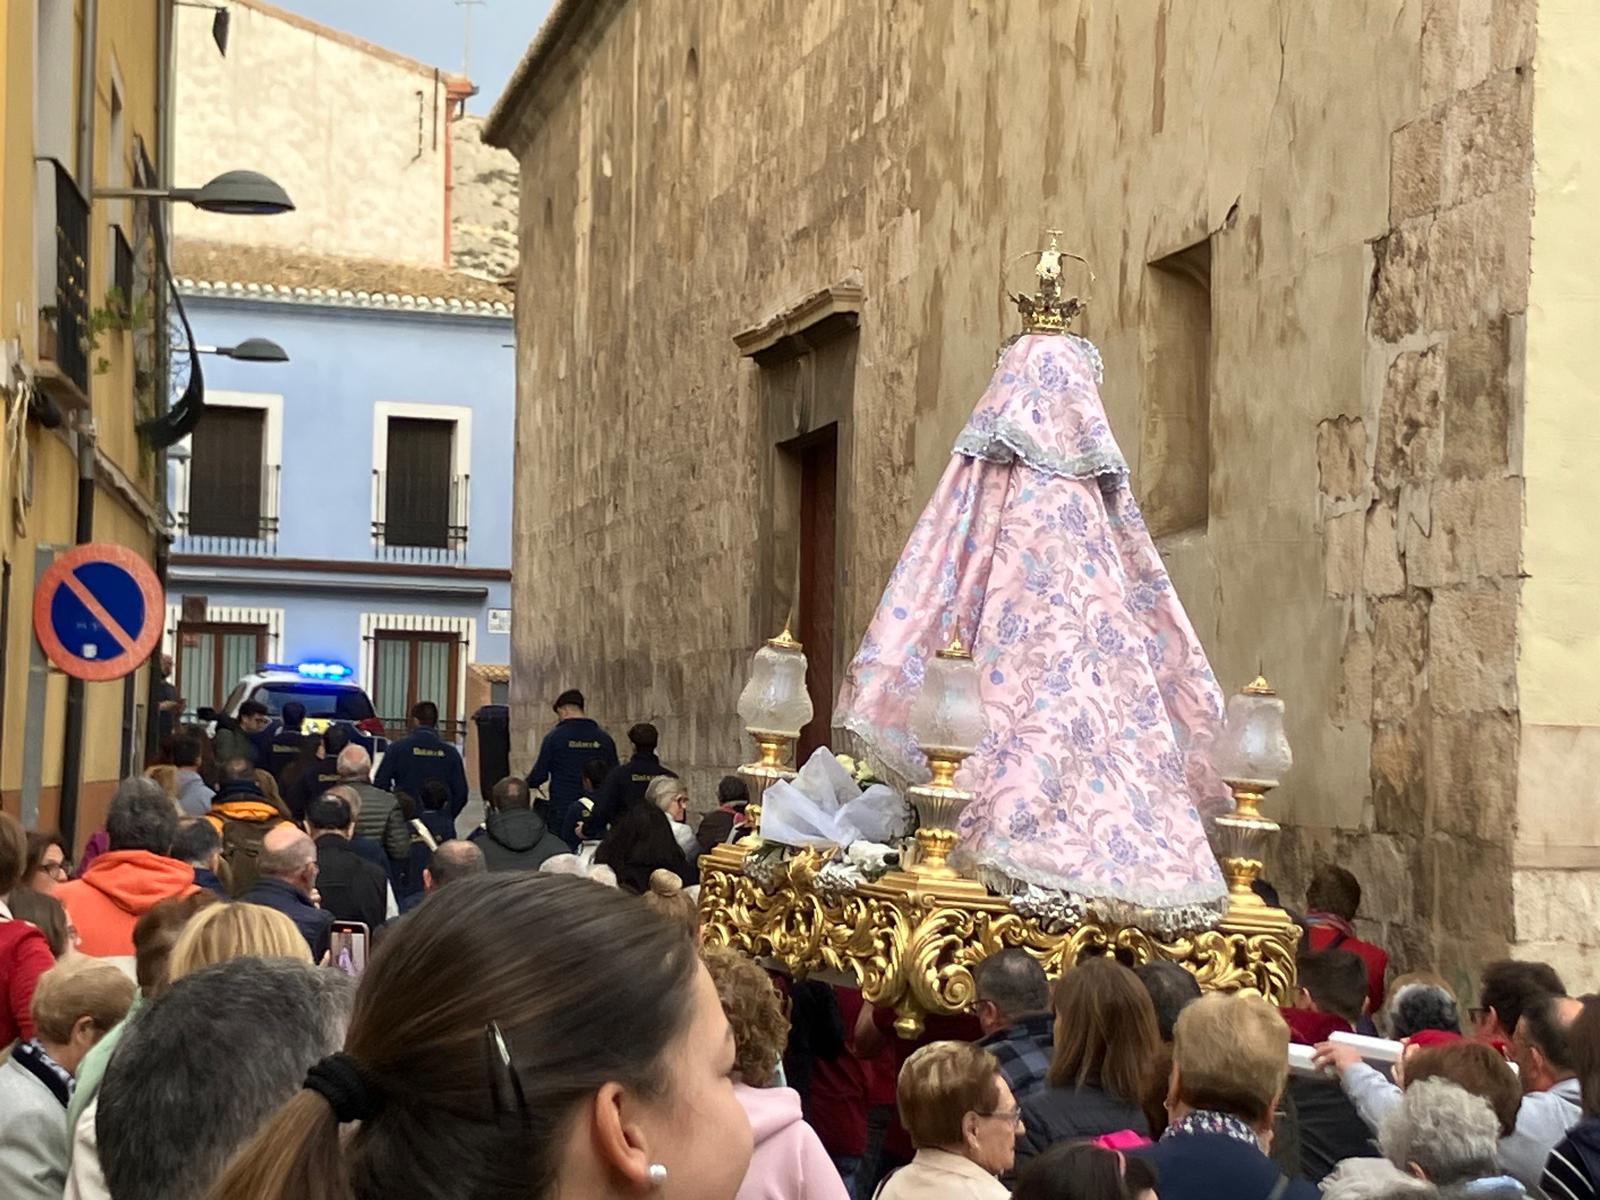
<point>1007,442</point>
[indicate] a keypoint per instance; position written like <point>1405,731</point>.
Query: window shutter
<point>417,488</point>
<point>225,473</point>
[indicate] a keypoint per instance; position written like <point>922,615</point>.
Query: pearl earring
<point>658,1174</point>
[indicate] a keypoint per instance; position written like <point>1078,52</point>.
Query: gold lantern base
<point>1241,838</point>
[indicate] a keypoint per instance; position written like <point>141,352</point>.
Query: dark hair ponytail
<point>581,985</point>
<point>1079,1171</point>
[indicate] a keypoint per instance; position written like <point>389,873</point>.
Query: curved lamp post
<point>239,193</point>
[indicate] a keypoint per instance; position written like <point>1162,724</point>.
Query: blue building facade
<point>352,505</point>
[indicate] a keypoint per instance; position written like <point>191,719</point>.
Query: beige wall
<point>357,136</point>
<point>1557,851</point>
<point>1363,172</point>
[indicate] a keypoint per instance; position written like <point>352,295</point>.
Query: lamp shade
<point>257,349</point>
<point>1253,747</point>
<point>242,193</point>
<point>775,699</point>
<point>947,715</point>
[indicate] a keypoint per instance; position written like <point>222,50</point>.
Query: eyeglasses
<point>1013,1115</point>
<point>59,871</point>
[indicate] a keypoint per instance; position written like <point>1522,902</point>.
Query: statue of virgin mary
<point>1092,786</point>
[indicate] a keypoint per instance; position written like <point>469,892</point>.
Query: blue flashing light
<point>322,670</point>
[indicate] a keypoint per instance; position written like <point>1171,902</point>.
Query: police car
<point>327,690</point>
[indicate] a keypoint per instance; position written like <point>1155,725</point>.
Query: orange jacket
<point>119,887</point>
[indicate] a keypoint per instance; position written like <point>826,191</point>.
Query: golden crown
<point>1047,310</point>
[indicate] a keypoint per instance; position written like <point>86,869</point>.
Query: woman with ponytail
<point>518,1037</point>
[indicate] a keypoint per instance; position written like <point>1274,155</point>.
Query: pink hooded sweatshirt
<point>789,1162</point>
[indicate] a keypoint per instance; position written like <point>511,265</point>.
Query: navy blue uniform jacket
<point>421,755</point>
<point>569,744</point>
<point>623,788</point>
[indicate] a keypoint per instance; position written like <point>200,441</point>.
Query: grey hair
<point>141,817</point>
<point>1418,1006</point>
<point>353,762</point>
<point>1373,1179</point>
<point>664,789</point>
<point>1014,982</point>
<point>1446,1131</point>
<point>166,1134</point>
<point>343,791</point>
<point>282,863</point>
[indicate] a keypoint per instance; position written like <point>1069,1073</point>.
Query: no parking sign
<point>97,611</point>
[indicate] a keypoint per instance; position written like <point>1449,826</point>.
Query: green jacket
<point>232,743</point>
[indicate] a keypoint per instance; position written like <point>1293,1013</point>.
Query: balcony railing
<point>72,280</point>
<point>231,525</point>
<point>419,521</point>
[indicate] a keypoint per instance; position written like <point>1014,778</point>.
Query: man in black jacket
<point>573,742</point>
<point>352,888</point>
<point>626,785</point>
<point>288,873</point>
<point>281,740</point>
<point>323,776</point>
<point>513,837</point>
<point>421,755</point>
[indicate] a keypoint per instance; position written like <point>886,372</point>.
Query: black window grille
<point>72,280</point>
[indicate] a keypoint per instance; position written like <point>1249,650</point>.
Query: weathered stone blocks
<point>1342,458</point>
<point>1472,647</point>
<point>1410,426</point>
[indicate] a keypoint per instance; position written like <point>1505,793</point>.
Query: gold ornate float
<point>911,939</point>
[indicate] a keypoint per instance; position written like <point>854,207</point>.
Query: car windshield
<point>320,699</point>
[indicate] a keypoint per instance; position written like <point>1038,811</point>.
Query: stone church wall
<point>1310,232</point>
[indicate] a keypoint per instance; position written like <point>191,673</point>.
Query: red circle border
<point>99,670</point>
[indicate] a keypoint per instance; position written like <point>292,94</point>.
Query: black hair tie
<point>340,1081</point>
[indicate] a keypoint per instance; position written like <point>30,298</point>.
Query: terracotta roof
<point>491,672</point>
<point>457,83</point>
<point>272,273</point>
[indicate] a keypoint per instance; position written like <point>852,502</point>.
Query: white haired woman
<point>671,796</point>
<point>1440,1134</point>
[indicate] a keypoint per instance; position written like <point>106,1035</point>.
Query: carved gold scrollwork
<point>914,951</point>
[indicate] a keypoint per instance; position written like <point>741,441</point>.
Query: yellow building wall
<point>1557,849</point>
<point>127,51</point>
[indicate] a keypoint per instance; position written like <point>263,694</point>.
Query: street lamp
<point>256,350</point>
<point>239,193</point>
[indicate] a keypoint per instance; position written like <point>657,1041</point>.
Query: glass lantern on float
<point>774,706</point>
<point>1251,755</point>
<point>947,722</point>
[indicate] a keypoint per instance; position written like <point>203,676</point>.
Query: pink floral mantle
<point>1093,782</point>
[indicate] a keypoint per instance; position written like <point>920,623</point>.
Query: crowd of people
<point>190,1012</point>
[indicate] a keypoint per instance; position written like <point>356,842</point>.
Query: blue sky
<point>433,31</point>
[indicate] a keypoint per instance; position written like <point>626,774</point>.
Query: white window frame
<point>271,449</point>
<point>229,614</point>
<point>466,628</point>
<point>460,447</point>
